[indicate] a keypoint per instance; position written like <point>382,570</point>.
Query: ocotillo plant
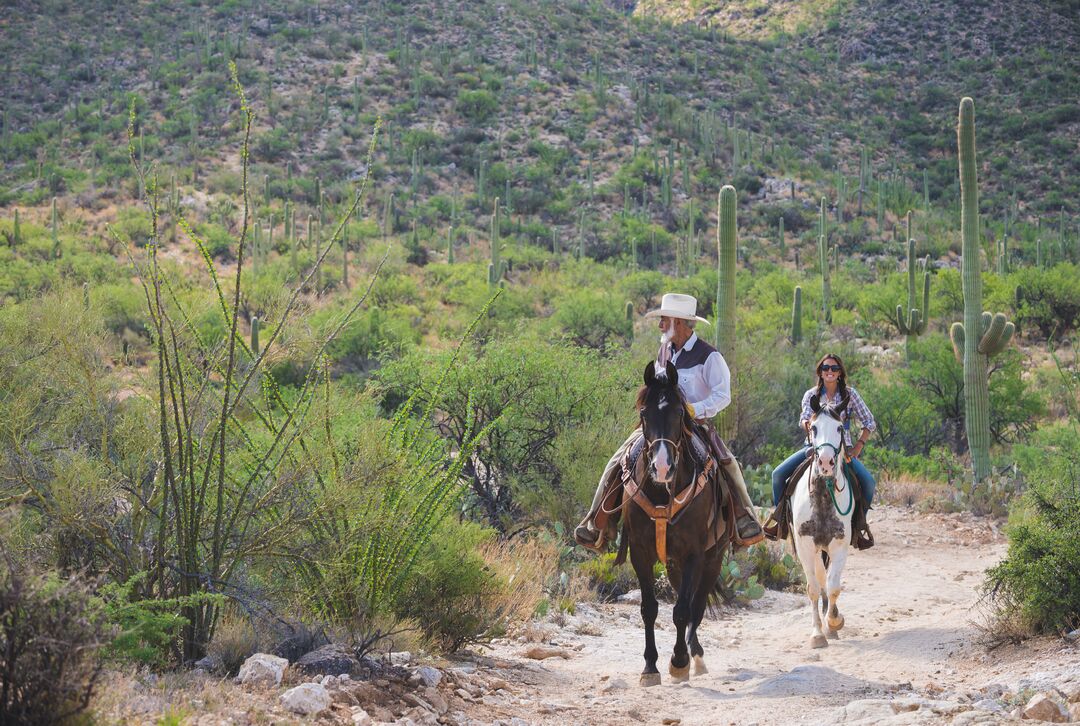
<point>796,316</point>
<point>726,244</point>
<point>981,334</point>
<point>912,321</point>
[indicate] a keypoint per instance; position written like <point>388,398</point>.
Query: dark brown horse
<point>672,514</point>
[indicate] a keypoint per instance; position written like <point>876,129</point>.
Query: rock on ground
<point>262,669</point>
<point>306,699</point>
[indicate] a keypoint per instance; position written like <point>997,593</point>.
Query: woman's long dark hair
<point>841,381</point>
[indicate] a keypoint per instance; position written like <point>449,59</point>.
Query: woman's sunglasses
<point>834,369</point>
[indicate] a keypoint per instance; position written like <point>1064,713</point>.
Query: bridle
<point>676,448</point>
<point>832,482</point>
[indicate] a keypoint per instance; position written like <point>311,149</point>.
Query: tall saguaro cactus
<point>823,259</point>
<point>796,316</point>
<point>912,322</point>
<point>727,245</point>
<point>981,334</point>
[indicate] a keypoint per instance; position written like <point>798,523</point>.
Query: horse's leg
<point>837,558</point>
<point>701,599</point>
<point>682,615</point>
<point>814,569</point>
<point>643,567</point>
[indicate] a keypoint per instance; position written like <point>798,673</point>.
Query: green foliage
<point>535,397</point>
<point>478,105</point>
<point>452,594</point>
<point>608,580</point>
<point>143,631</point>
<point>775,568</point>
<point>1047,300</point>
<point>1036,588</point>
<point>739,583</point>
<point>593,319</point>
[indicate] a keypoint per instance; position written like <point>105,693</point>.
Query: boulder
<point>1043,708</point>
<point>329,660</point>
<point>306,699</point>
<point>211,664</point>
<point>262,669</point>
<point>429,676</point>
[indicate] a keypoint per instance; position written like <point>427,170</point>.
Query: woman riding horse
<point>831,389</point>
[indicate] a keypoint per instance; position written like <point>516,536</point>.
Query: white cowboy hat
<point>674,305</point>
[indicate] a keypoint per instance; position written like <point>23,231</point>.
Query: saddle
<point>632,475</point>
<point>778,525</point>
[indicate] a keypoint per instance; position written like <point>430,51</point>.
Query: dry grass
<point>524,565</point>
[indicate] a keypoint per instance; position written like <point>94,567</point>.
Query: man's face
<point>667,325</point>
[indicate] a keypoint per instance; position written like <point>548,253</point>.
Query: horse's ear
<point>672,374</point>
<point>650,373</point>
<point>815,403</point>
<point>841,408</point>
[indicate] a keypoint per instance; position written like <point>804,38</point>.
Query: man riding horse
<point>705,383</point>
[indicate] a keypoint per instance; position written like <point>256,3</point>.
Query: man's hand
<point>690,410</point>
<point>856,450</point>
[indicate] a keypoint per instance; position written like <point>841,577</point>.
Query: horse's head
<point>827,435</point>
<point>664,420</point>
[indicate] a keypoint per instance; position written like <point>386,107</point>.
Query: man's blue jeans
<point>781,473</point>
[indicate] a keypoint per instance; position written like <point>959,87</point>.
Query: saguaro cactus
<point>727,244</point>
<point>255,336</point>
<point>796,316</point>
<point>912,322</point>
<point>497,267</point>
<point>823,260</point>
<point>981,334</point>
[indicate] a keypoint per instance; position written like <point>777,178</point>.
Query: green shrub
<point>594,320</point>
<point>48,634</point>
<point>1047,300</point>
<point>1036,588</point>
<point>477,105</point>
<point>608,580</point>
<point>450,595</point>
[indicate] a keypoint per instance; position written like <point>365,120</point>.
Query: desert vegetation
<point>326,318</point>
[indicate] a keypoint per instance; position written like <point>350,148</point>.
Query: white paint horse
<point>821,509</point>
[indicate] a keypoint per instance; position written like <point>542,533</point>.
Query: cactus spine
<point>981,334</point>
<point>912,322</point>
<point>796,316</point>
<point>727,245</point>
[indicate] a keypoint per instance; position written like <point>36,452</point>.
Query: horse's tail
<point>624,544</point>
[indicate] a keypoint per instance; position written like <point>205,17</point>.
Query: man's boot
<point>747,529</point>
<point>594,539</point>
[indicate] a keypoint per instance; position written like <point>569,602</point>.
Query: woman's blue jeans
<point>781,473</point>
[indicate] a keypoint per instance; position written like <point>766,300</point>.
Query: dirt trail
<point>909,604</point>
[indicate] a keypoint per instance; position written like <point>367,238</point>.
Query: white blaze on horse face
<point>827,435</point>
<point>661,463</point>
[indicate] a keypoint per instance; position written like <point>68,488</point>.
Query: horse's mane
<point>644,390</point>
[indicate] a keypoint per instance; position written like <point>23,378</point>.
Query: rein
<point>831,481</point>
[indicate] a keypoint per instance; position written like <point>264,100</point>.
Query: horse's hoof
<point>679,675</point>
<point>650,679</point>
<point>699,666</point>
<point>832,634</point>
<point>836,624</point>
<point>819,641</point>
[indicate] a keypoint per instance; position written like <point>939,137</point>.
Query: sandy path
<point>908,602</point>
